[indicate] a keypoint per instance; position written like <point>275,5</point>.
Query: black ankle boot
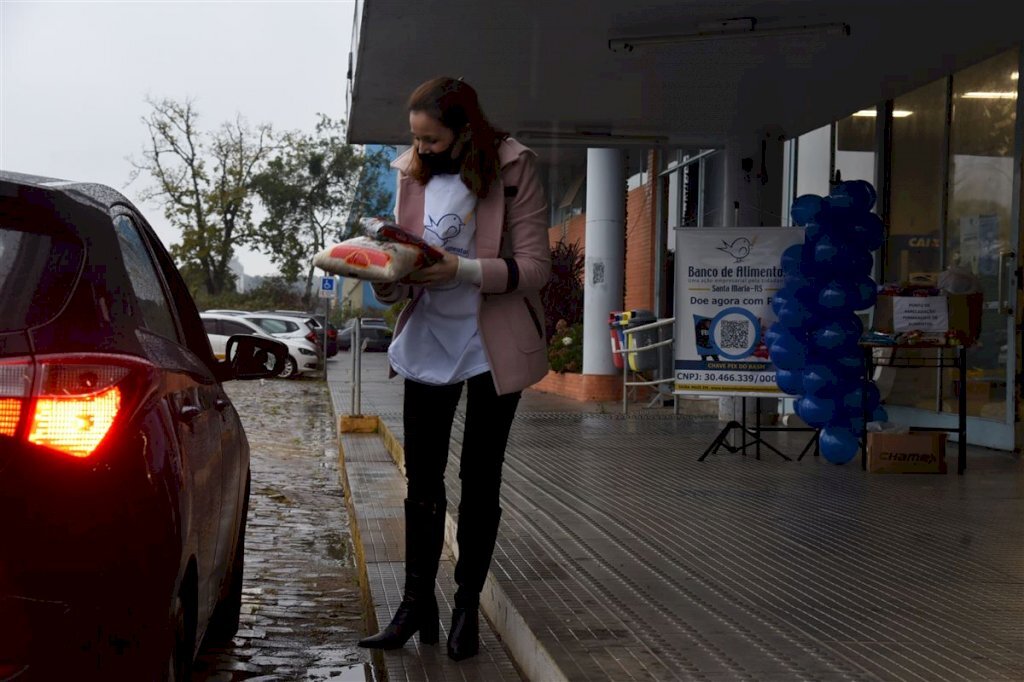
<point>424,537</point>
<point>464,637</point>
<point>411,617</point>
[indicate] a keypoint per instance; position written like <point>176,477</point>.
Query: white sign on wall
<point>725,280</point>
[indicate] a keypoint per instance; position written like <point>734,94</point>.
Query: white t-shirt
<point>440,342</point>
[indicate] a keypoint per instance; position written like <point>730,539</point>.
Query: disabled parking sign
<point>326,287</point>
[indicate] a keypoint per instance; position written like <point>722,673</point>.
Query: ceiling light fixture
<point>897,113</point>
<point>745,27</point>
<point>989,95</point>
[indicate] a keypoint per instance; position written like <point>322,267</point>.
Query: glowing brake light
<point>74,424</point>
<point>68,403</point>
<point>10,411</point>
<point>15,384</point>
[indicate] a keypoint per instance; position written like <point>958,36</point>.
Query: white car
<point>285,326</point>
<point>303,355</point>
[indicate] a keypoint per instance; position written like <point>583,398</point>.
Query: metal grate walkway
<point>623,558</point>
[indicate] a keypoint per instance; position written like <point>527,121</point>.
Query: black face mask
<point>441,163</point>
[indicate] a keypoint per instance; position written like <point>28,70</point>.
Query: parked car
<point>377,337</point>
<point>285,326</point>
<point>227,312</point>
<point>318,321</point>
<point>124,467</point>
<point>379,321</point>
<point>303,355</point>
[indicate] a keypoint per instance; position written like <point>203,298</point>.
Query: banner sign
<point>725,280</point>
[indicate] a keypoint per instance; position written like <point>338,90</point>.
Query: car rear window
<point>272,326</point>
<point>39,265</point>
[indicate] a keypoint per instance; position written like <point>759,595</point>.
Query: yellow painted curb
<point>358,424</point>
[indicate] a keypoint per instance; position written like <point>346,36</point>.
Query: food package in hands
<point>372,260</point>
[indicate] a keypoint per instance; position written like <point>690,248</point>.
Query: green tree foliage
<point>272,293</point>
<point>562,296</point>
<point>314,190</point>
<point>204,182</point>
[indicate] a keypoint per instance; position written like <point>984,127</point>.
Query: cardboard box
<point>917,452</point>
<point>963,311</point>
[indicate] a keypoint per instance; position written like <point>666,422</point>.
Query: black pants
<point>428,415</point>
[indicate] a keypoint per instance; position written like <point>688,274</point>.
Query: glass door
<point>953,204</point>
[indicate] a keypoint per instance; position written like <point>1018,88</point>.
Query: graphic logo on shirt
<point>448,227</point>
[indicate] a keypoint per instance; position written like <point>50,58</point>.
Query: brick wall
<point>640,231</point>
<point>582,387</point>
<point>574,229</point>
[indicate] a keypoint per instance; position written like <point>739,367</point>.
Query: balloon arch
<point>814,342</point>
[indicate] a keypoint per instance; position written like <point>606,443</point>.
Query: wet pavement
<point>301,609</point>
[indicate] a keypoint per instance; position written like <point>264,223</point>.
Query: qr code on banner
<point>735,334</point>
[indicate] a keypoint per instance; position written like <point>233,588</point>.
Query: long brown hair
<point>455,104</point>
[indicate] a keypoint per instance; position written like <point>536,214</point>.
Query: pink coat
<point>514,266</point>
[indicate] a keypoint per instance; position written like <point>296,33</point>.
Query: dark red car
<point>124,468</point>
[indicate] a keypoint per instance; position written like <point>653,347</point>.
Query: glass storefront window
<point>915,215</point>
<point>855,147</point>
<point>979,214</point>
<point>918,160</point>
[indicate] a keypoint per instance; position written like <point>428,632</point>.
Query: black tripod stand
<point>754,433</point>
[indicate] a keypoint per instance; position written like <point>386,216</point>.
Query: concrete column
<point>753,194</point>
<point>605,255</point>
<point>753,180</point>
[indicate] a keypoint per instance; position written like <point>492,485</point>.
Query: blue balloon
<point>866,293</point>
<point>786,353</point>
<point>834,295</point>
<point>858,194</point>
<point>791,259</point>
<point>777,330</point>
<point>820,380</point>
<point>789,381</point>
<point>813,232</point>
<point>815,410</point>
<point>880,415</point>
<point>796,281</point>
<point>870,231</point>
<point>838,444</point>
<point>793,314</point>
<point>839,333</point>
<point>862,400</point>
<point>858,261</point>
<point>850,363</point>
<point>826,250</point>
<point>805,207</point>
<point>780,298</point>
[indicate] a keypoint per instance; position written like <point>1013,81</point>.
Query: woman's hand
<point>442,271</point>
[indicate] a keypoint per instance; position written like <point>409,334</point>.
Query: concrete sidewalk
<point>622,557</point>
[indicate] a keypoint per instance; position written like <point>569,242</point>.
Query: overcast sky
<point>74,77</point>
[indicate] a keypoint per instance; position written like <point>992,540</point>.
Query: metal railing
<point>627,350</point>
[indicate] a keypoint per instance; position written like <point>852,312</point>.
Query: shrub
<point>565,352</point>
<point>562,296</point>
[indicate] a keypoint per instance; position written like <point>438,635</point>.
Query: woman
<point>474,318</point>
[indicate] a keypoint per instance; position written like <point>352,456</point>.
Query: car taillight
<point>15,388</point>
<point>312,336</point>
<point>73,400</point>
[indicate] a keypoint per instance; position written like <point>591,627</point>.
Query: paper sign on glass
<point>929,314</point>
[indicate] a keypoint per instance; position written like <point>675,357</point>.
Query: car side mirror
<point>253,357</point>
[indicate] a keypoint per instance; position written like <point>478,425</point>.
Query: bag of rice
<point>371,260</point>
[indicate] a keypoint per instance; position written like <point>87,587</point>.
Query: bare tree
<point>204,182</point>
